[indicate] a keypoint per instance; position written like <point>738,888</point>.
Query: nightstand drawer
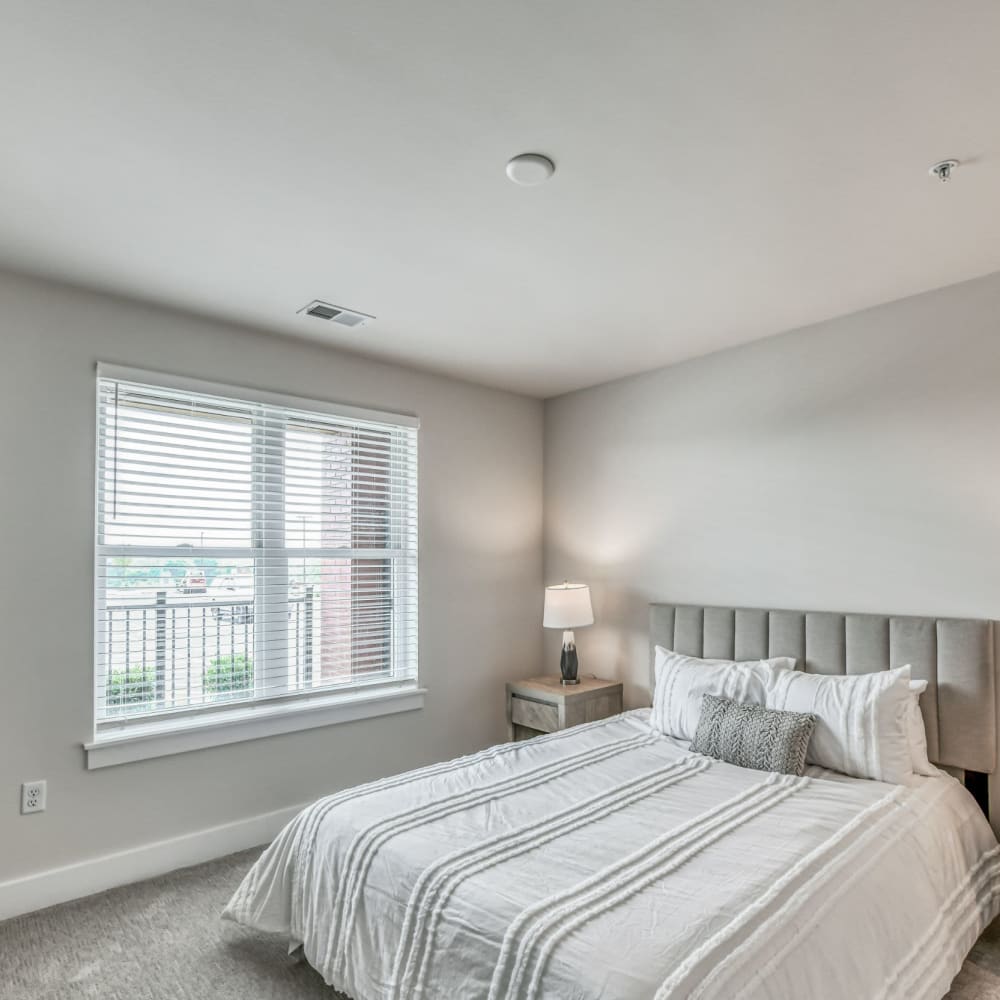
<point>543,705</point>
<point>534,715</point>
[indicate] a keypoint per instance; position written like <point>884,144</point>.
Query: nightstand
<point>543,705</point>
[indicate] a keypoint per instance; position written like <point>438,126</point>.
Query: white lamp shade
<point>567,606</point>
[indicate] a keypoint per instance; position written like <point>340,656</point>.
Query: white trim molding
<point>197,732</point>
<point>60,885</point>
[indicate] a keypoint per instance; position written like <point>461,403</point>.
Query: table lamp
<point>567,606</point>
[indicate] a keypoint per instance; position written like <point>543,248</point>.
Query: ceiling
<point>725,170</point>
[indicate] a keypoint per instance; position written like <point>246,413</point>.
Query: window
<point>253,553</point>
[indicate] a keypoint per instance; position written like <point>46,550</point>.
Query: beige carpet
<point>980,976</point>
<point>162,940</point>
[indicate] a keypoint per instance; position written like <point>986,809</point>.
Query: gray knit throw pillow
<point>753,736</point>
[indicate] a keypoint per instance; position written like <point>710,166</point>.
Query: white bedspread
<point>608,861</point>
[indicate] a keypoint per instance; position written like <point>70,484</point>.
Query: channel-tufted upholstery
<point>955,655</point>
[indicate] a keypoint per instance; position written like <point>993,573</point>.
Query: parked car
<point>194,582</point>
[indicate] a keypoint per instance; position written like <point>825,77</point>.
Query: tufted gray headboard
<point>957,657</point>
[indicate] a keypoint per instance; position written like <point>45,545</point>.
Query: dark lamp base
<point>568,663</point>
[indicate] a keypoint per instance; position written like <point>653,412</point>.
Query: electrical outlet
<point>33,797</point>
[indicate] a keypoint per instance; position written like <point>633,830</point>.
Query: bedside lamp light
<point>567,606</point>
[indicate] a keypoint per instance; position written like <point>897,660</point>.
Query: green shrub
<point>229,675</point>
<point>134,686</point>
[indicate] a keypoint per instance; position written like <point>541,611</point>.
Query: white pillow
<point>682,681</point>
<point>918,734</point>
<point>862,720</point>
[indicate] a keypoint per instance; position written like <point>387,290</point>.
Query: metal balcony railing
<point>175,652</point>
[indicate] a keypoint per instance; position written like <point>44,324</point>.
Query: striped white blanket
<point>608,861</point>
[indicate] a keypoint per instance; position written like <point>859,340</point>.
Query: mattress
<point>608,861</point>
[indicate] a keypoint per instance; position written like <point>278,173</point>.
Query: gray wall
<point>852,465</point>
<point>480,574</point>
<point>847,466</point>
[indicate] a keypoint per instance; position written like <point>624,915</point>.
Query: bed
<point>609,861</point>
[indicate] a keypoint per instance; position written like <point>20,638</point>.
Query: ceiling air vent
<point>338,314</point>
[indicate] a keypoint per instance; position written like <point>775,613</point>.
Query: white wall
<point>480,574</point>
<point>852,465</point>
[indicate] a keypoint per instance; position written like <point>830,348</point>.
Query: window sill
<point>161,739</point>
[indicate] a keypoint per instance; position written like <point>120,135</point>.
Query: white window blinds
<point>248,550</point>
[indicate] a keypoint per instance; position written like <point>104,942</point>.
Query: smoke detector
<point>335,314</point>
<point>529,169</point>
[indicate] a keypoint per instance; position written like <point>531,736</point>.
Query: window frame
<point>195,727</point>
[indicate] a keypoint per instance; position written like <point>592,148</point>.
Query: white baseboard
<point>59,885</point>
